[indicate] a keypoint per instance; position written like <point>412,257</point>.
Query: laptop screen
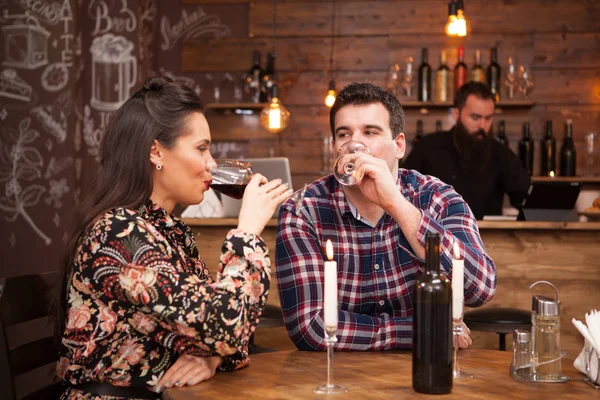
<point>271,168</point>
<point>552,195</point>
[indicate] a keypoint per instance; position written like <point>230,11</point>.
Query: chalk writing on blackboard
<point>191,24</point>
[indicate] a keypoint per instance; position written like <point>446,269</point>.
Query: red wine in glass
<point>231,190</point>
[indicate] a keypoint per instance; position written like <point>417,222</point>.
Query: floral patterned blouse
<point>140,296</point>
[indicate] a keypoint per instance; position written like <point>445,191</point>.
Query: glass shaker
<point>522,353</point>
<point>545,320</point>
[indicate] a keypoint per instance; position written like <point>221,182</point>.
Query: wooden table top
<point>377,375</point>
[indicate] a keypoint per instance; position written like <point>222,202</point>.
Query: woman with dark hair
<point>138,310</point>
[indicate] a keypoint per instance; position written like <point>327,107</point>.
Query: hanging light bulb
<point>451,24</point>
<point>330,98</point>
<point>274,117</point>
<point>461,21</point>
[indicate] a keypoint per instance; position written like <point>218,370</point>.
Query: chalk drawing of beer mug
<point>114,71</point>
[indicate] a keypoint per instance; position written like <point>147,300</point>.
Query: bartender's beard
<point>474,149</point>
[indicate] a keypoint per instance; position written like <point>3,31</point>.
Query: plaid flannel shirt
<point>377,268</point>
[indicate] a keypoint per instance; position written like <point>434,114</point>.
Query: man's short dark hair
<point>478,89</point>
<point>358,94</point>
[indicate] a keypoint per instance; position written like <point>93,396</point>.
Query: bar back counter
<point>566,254</point>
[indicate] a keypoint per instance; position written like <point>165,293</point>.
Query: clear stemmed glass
<point>408,79</point>
<point>393,79</point>
<point>525,81</point>
<point>456,332</point>
<point>344,168</point>
<point>511,79</point>
<point>231,177</point>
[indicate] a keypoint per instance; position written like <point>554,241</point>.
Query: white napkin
<point>589,358</point>
<point>211,207</point>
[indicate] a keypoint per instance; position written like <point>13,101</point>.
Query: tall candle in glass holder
<point>458,274</point>
<point>330,303</point>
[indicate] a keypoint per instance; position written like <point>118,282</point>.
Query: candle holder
<point>456,331</point>
<point>329,387</point>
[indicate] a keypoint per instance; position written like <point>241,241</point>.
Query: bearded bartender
<point>467,157</point>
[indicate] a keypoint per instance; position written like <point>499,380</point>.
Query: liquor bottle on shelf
<point>477,72</point>
<point>501,136</point>
<point>443,85</point>
<point>494,74</point>
<point>254,79</point>
<point>424,77</point>
<point>568,154</point>
<point>548,152</point>
<point>526,146</point>
<point>432,325</point>
<point>438,126</point>
<point>419,134</point>
<point>268,79</point>
<point>460,70</point>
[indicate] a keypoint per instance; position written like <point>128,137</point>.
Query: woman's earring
<point>158,166</point>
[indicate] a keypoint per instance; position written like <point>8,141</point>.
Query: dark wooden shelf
<point>234,106</point>
<point>424,107</point>
<point>582,179</point>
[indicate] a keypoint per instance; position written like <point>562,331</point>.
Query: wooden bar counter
<point>566,254</point>
<point>376,375</point>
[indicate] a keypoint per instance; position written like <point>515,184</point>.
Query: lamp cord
<point>332,38</point>
<point>274,24</point>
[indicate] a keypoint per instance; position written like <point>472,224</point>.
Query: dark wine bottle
<point>477,72</point>
<point>432,325</point>
<point>526,146</point>
<point>254,78</point>
<point>460,70</point>
<point>501,136</point>
<point>424,77</point>
<point>419,134</point>
<point>438,126</point>
<point>568,154</point>
<point>493,74</point>
<point>548,152</point>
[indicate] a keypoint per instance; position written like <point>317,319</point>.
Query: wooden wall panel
<point>559,40</point>
<point>308,18</point>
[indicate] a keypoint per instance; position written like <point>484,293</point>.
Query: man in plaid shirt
<point>378,232</point>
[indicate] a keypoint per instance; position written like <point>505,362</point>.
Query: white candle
<point>458,273</point>
<point>330,303</point>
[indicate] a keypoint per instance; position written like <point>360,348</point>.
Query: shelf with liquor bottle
<point>500,106</point>
<point>238,108</point>
<point>435,87</point>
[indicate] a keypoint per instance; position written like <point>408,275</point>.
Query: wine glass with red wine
<point>231,177</point>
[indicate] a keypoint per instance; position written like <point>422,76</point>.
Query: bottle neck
<point>256,59</point>
<point>548,130</point>
<point>494,55</point>
<point>461,54</point>
<point>432,253</point>
<point>477,58</point>
<point>569,133</point>
<point>501,128</point>
<point>424,56</point>
<point>443,58</point>
<point>526,133</point>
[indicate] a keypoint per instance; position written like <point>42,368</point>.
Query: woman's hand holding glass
<point>260,200</point>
